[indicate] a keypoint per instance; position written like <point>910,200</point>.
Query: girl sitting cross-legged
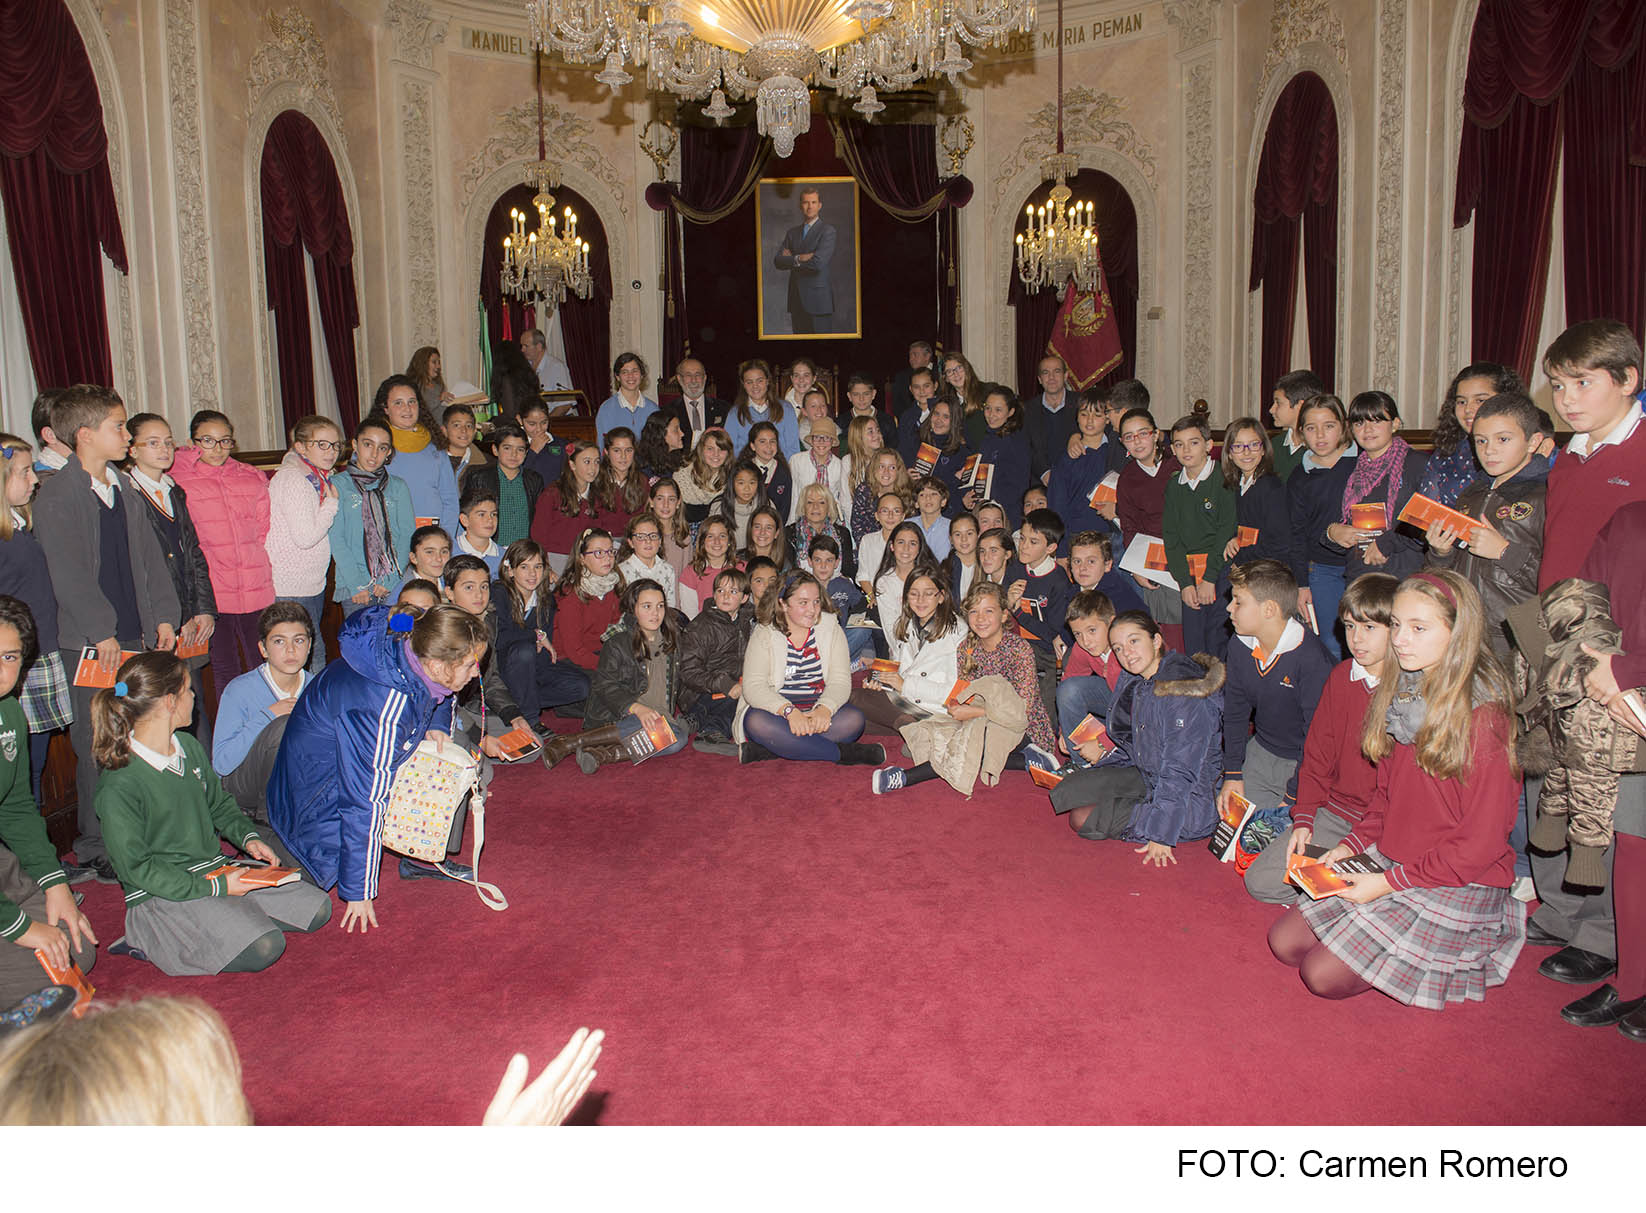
<point>636,686</point>
<point>163,811</point>
<point>536,675</point>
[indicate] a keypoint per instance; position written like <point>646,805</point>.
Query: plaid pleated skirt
<point>1425,947</point>
<point>45,695</point>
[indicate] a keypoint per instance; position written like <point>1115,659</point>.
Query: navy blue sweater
<point>1263,507</point>
<point>23,575</point>
<point>1045,603</point>
<point>1069,492</point>
<point>1276,705</point>
<point>1314,501</point>
<point>1008,454</point>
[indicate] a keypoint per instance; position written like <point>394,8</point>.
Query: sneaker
<point>78,873</point>
<point>888,779</point>
<point>121,947</point>
<point>1041,759</point>
<point>413,869</point>
<point>1523,889</point>
<point>39,1007</point>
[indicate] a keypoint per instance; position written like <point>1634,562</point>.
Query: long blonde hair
<point>21,457</point>
<point>160,1061</point>
<point>857,449</point>
<point>1445,740</point>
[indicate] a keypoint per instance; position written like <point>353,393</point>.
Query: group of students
<point>729,585</point>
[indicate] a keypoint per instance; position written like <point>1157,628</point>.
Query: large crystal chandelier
<point>1059,240</point>
<point>775,50</point>
<point>540,266</point>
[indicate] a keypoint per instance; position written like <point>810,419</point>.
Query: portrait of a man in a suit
<point>809,268</point>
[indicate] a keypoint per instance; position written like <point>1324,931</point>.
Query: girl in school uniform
<point>1074,478</point>
<point>620,490</point>
<point>535,674</point>
<point>371,538</point>
<point>796,682</point>
<point>802,375</point>
<point>714,553</point>
<point>569,506</point>
<point>662,449</point>
<point>941,431</point>
<point>44,695</point>
<point>586,598</point>
<point>1437,924</point>
<point>1314,502</point>
<point>995,554</point>
<point>229,502</point>
<point>743,496</point>
<point>905,550</point>
<point>703,478</point>
<point>635,687</point>
<point>1261,512</point>
<point>1004,446</point>
<point>167,507</point>
<point>754,405</point>
<point>886,474</point>
<point>641,558</point>
<point>964,390</point>
<point>961,566</point>
<point>925,643</point>
<point>776,482</point>
<point>991,647</point>
<point>163,811</point>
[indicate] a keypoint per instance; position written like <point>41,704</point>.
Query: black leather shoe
<point>1633,1025</point>
<point>1600,1008</point>
<point>1537,937</point>
<point>1577,967</point>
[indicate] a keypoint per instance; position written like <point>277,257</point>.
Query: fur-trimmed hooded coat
<point>1170,728</point>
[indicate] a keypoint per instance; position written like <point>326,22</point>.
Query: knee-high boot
<point>567,744</point>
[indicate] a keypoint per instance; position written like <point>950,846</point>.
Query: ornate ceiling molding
<point>1196,21</point>
<point>293,60</point>
<point>1294,23</point>
<point>417,31</point>
<point>1090,120</point>
<point>566,143</point>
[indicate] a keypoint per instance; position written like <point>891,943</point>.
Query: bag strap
<point>490,895</point>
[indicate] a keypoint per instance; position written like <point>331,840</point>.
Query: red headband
<point>1439,584</point>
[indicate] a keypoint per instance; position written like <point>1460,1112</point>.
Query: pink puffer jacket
<point>230,508</point>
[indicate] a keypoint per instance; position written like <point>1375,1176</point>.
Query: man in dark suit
<point>808,249</point>
<point>694,408</point>
<point>1050,417</point>
<point>921,354</point>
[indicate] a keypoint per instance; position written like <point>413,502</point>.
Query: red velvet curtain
<point>304,210</point>
<point>1297,189</point>
<point>719,169</point>
<point>58,195</point>
<point>1117,239</point>
<point>1542,74</point>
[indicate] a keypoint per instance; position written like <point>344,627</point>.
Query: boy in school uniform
<point>711,662</point>
<point>1290,391</point>
<point>1092,567</point>
<point>1335,781</point>
<point>478,514</point>
<point>1275,675</point>
<point>1594,369</point>
<point>113,588</point>
<point>52,454</point>
<point>922,387</point>
<point>1198,519</point>
<point>1038,593</point>
<point>1091,672</point>
<point>253,709</point>
<point>485,708</point>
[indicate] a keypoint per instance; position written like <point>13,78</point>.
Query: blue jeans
<point>1077,698</point>
<point>859,643</point>
<point>314,604</point>
<point>1518,835</point>
<point>1326,585</point>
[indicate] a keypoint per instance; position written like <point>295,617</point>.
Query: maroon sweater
<point>579,624</point>
<point>1142,497</point>
<point>1615,561</point>
<point>1583,496</point>
<point>1334,772</point>
<point>1446,833</point>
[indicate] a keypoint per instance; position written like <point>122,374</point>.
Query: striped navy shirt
<point>803,674</point>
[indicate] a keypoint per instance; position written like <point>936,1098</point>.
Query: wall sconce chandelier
<point>775,50</point>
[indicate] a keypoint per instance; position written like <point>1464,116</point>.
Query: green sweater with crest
<point>22,829</point>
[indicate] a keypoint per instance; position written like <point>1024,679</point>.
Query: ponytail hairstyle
<point>668,636</point>
<point>18,460</point>
<point>571,577</point>
<point>1467,669</point>
<point>145,680</point>
<point>1159,438</point>
<point>572,503</point>
<point>516,554</point>
<point>448,634</point>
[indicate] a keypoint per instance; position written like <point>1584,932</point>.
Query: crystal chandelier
<point>540,266</point>
<point>1059,241</point>
<point>775,50</point>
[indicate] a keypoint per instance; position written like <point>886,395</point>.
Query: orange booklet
<point>968,471</point>
<point>1232,817</point>
<point>957,692</point>
<point>650,740</point>
<point>1423,512</point>
<point>89,674</point>
<point>270,877</point>
<point>1323,880</point>
<point>1156,559</point>
<point>426,522</point>
<point>1197,565</point>
<point>198,649</point>
<point>1090,729</point>
<point>883,665</point>
<point>1044,778</point>
<point>1369,516</point>
<point>1107,491</point>
<point>518,744</point>
<point>1246,536</point>
<point>71,977</point>
<point>926,457</point>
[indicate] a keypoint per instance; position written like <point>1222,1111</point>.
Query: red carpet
<point>773,944</point>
